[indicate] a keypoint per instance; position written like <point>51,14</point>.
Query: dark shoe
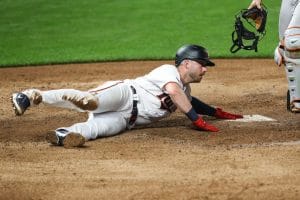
<point>291,105</point>
<point>20,103</point>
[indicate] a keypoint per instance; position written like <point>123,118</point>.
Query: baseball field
<point>257,158</point>
<point>167,160</point>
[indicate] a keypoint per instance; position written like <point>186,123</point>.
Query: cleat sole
<point>18,110</point>
<point>52,138</point>
<point>73,140</point>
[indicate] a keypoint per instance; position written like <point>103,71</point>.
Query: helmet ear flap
<point>178,61</point>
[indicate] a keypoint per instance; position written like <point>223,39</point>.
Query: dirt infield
<point>165,160</point>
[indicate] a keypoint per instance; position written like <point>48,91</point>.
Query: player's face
<point>196,71</point>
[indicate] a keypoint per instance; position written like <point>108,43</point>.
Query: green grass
<point>44,32</point>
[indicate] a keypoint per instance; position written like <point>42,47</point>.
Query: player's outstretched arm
<point>205,109</point>
<point>221,114</point>
<point>180,99</point>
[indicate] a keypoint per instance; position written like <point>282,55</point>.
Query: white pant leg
<point>70,98</point>
<point>285,16</point>
<point>295,21</point>
<point>110,117</point>
<point>112,97</point>
<point>117,97</point>
<point>291,42</point>
<point>98,125</point>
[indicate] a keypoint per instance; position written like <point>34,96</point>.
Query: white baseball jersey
<point>150,86</point>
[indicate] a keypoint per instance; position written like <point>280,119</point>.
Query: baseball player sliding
<point>119,105</point>
<point>288,50</point>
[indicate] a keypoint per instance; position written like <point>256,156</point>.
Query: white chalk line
<point>254,118</point>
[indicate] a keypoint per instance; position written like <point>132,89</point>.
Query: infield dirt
<point>165,160</point>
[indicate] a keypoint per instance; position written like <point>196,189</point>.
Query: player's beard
<point>196,78</point>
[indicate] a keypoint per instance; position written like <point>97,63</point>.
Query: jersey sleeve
<point>163,75</point>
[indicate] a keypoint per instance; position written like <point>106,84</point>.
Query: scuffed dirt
<point>164,160</point>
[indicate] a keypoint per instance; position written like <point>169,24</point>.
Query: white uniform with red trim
<point>289,52</point>
<point>114,102</point>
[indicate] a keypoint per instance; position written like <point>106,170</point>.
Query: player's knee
<point>90,102</point>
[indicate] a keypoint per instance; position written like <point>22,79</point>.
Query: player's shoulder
<point>164,70</point>
<point>166,67</point>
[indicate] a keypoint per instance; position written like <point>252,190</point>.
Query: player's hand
<point>254,3</point>
<point>220,114</point>
<point>278,55</point>
<point>202,125</point>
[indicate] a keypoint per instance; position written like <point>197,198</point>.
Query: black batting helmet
<point>193,52</point>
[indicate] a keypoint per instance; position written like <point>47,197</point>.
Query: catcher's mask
<point>193,52</point>
<point>247,37</point>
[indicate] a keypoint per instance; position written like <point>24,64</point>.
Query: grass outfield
<point>43,32</point>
